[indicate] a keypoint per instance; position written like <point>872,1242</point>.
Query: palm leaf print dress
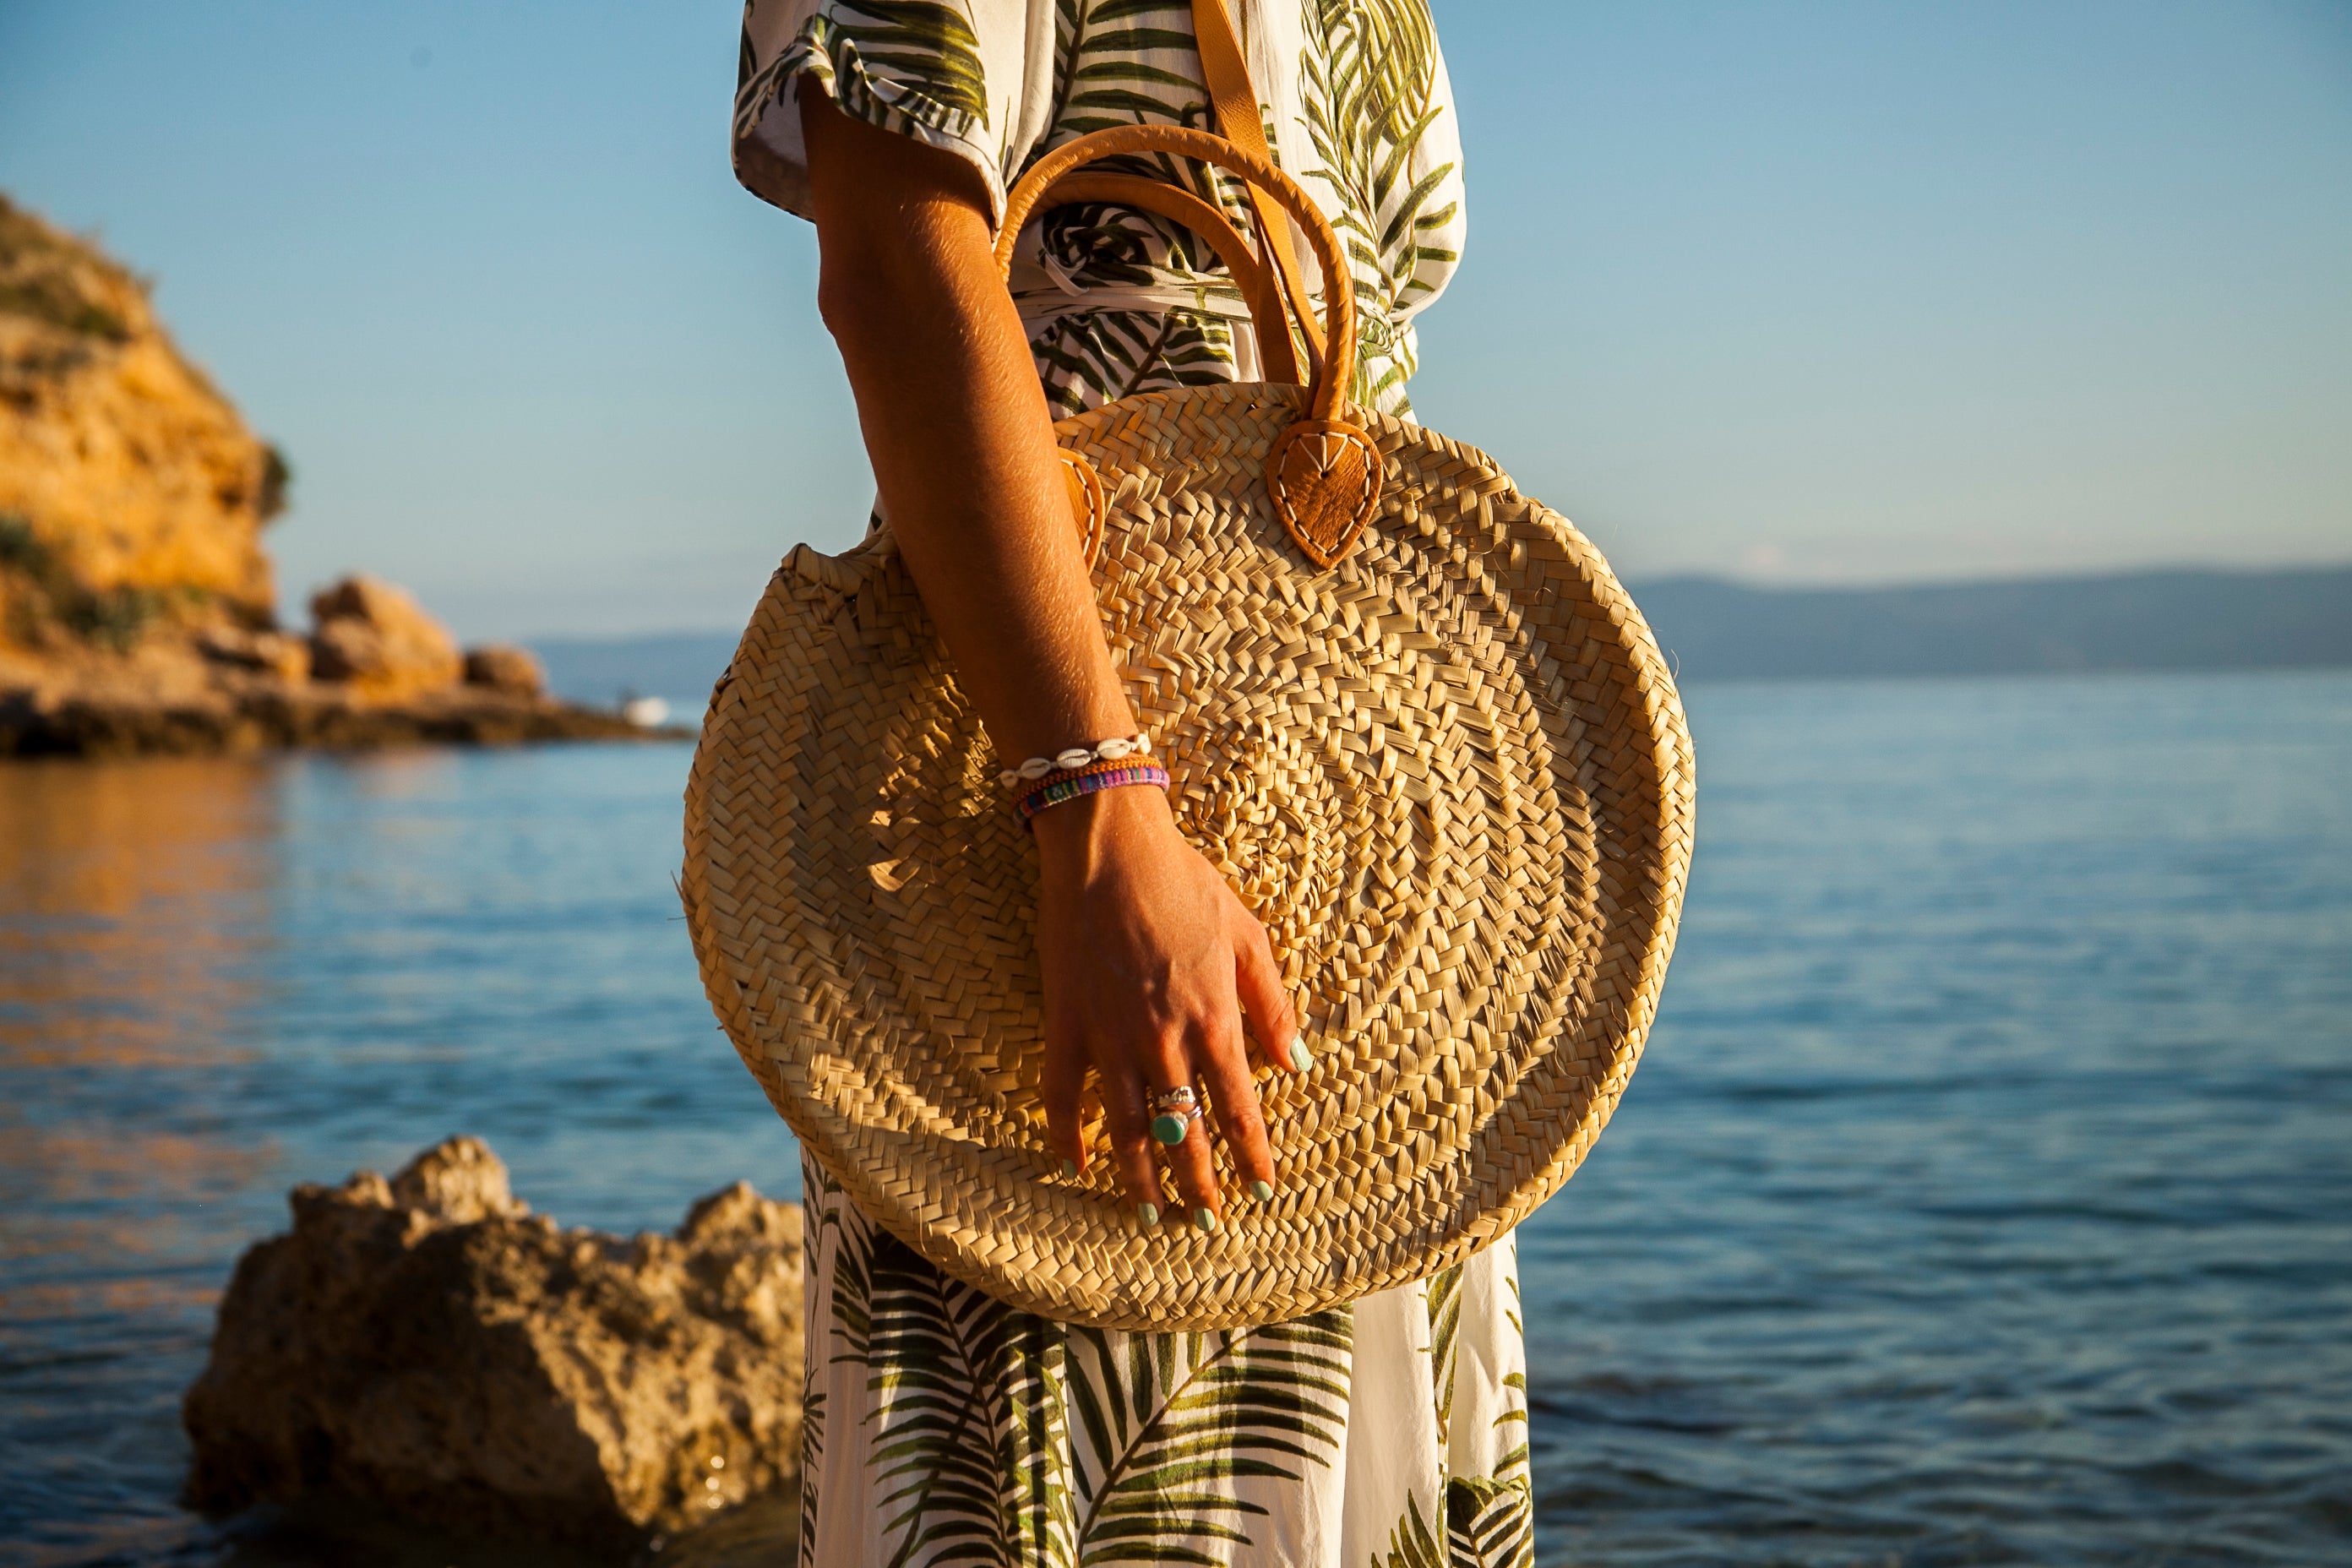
<point>942,1426</point>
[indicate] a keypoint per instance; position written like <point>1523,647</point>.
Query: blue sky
<point>1795,292</point>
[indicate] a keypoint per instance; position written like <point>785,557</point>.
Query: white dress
<point>943,1426</point>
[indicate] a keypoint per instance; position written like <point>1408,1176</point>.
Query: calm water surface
<point>1985,1196</point>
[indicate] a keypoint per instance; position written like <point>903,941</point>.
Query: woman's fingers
<point>1190,1163</point>
<point>1224,1068</point>
<point>1188,1157</point>
<point>1257,981</point>
<point>1127,1123</point>
<point>1062,1084</point>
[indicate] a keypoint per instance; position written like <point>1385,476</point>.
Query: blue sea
<point>1985,1197</point>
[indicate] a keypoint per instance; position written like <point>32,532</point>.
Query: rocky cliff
<point>130,492</point>
<point>137,611</point>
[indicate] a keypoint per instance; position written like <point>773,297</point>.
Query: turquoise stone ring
<point>1173,1113</point>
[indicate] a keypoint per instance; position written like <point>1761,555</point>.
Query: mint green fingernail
<point>1069,1167</point>
<point>1148,1212</point>
<point>1300,1057</point>
<point>1168,1130</point>
<point>1204,1220</point>
<point>1262,1191</point>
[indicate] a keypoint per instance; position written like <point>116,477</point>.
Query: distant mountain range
<point>2182,619</point>
<point>1717,630</point>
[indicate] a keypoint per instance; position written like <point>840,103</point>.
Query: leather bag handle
<point>1266,285</point>
<point>1261,289</point>
<point>1328,386</point>
<point>1322,473</point>
<point>1224,71</point>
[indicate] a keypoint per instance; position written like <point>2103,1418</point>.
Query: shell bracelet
<point>1111,751</point>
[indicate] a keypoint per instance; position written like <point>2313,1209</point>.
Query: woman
<point>1392,1430</point>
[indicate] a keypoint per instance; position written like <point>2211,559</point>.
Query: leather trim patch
<point>1088,507</point>
<point>1324,476</point>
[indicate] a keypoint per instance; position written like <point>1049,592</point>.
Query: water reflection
<point>134,921</point>
<point>131,898</point>
<point>134,901</point>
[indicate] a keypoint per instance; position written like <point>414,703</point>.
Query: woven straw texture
<point>1451,776</point>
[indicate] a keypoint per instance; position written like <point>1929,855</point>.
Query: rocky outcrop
<point>121,467</point>
<point>160,701</point>
<point>379,643</point>
<point>378,672</point>
<point>429,1347</point>
<point>502,667</point>
<point>136,610</point>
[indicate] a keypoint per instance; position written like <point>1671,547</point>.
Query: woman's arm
<point>1149,958</point>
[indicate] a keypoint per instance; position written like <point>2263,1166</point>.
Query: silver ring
<point>1173,1113</point>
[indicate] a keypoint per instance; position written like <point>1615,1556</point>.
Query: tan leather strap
<point>1224,71</point>
<point>1259,289</point>
<point>1328,387</point>
<point>1323,473</point>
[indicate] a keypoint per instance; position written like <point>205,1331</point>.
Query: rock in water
<point>502,667</point>
<point>428,1345</point>
<point>380,642</point>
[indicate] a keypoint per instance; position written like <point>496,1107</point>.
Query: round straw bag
<point>1407,710</point>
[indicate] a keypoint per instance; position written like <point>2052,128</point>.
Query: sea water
<point>1986,1195</point>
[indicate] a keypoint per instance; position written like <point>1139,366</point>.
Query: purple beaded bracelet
<point>1055,792</point>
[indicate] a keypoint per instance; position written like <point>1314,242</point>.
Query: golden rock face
<point>429,1345</point>
<point>379,643</point>
<point>120,462</point>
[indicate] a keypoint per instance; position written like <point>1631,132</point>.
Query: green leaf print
<point>892,63</point>
<point>930,44</point>
<point>1104,355</point>
<point>1411,1545</point>
<point>1489,1524</point>
<point>1514,1414</point>
<point>1167,1423</point>
<point>1100,81</point>
<point>824,1199</point>
<point>1369,75</point>
<point>1033,1444</point>
<point>931,1347</point>
<point>1514,1463</point>
<point>1103,79</point>
<point>1445,1299</point>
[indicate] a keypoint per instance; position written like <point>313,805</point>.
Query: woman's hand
<point>1150,963</point>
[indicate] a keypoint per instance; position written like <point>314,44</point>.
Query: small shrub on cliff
<point>277,479</point>
<point>49,599</point>
<point>115,619</point>
<point>20,548</point>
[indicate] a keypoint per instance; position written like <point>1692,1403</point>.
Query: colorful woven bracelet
<point>1094,780</point>
<point>1063,775</point>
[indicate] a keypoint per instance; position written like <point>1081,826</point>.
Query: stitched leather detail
<point>1088,507</point>
<point>1324,476</point>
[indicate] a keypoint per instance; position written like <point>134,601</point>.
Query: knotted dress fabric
<point>943,1426</point>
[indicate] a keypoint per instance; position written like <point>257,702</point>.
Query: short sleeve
<point>973,77</point>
